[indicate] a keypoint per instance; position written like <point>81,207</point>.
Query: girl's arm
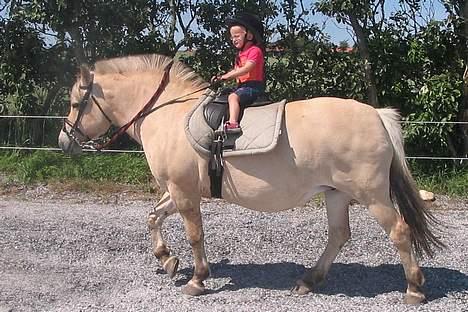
<point>249,65</point>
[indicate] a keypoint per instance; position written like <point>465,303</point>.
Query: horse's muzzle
<point>68,145</point>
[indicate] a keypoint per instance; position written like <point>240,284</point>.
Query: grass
<point>113,171</point>
<point>85,169</point>
<point>448,182</point>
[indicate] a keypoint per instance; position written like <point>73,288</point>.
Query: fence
<point>55,133</point>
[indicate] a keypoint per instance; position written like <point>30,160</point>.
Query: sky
<point>340,32</point>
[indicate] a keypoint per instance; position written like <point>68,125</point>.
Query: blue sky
<point>340,32</point>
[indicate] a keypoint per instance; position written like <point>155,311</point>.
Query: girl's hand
<point>216,82</point>
<point>216,78</point>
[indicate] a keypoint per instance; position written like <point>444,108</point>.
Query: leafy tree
<point>361,16</point>
<point>458,19</point>
<point>26,79</point>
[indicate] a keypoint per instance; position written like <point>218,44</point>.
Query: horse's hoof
<point>151,221</point>
<point>302,288</point>
<point>415,298</point>
<point>171,265</point>
<point>192,289</point>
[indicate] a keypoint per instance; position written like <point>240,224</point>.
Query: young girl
<point>246,33</point>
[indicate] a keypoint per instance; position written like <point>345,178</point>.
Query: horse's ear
<point>86,77</point>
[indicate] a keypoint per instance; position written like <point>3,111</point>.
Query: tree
<point>361,16</point>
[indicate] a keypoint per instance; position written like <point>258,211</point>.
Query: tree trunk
<point>172,27</point>
<point>365,56</point>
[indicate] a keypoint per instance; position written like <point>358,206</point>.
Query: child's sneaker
<point>232,127</point>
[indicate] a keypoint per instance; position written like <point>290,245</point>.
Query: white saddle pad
<point>260,128</point>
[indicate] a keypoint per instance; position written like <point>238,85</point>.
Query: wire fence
<point>141,151</point>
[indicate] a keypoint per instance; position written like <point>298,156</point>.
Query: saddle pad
<point>260,128</point>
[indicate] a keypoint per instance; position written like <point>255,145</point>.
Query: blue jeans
<point>248,92</point>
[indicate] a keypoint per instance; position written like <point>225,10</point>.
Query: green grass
<point>89,169</point>
<point>448,182</point>
<point>45,166</point>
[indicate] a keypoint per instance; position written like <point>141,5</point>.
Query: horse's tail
<point>405,194</point>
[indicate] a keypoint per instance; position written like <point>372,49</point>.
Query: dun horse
<point>343,148</point>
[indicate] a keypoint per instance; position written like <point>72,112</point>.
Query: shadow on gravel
<point>354,280</point>
<point>279,276</point>
<point>366,281</point>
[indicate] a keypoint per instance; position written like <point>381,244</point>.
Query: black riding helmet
<point>251,22</point>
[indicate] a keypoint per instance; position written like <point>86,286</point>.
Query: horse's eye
<point>75,105</point>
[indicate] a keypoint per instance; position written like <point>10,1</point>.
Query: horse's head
<point>86,120</point>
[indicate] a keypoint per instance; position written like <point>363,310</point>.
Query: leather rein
<point>103,141</point>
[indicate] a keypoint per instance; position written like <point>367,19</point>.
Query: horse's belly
<point>264,185</point>
<point>271,200</point>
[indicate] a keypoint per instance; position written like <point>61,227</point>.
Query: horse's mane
<point>148,62</point>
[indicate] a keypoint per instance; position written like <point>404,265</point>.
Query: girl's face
<point>239,36</point>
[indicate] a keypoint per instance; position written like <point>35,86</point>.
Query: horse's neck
<point>126,97</point>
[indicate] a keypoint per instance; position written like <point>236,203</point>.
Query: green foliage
<point>437,100</point>
<point>341,9</point>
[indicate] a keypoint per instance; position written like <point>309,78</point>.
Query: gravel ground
<point>60,252</point>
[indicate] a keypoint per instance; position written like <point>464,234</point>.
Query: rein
<point>143,112</point>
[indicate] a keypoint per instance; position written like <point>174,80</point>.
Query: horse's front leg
<point>188,205</point>
<point>164,209</point>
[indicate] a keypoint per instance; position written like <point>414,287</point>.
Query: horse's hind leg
<point>164,208</point>
<point>338,234</point>
<point>400,234</point>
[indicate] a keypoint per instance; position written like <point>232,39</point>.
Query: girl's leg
<point>234,108</point>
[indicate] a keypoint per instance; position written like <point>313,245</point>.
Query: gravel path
<point>58,253</point>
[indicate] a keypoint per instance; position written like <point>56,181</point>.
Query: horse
<point>340,147</point>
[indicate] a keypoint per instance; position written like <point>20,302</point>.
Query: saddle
<point>217,110</point>
<point>204,128</point>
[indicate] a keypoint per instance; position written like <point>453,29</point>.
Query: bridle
<point>103,141</point>
<point>81,107</point>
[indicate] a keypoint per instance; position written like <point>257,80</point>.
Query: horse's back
<point>337,127</point>
<point>331,111</point>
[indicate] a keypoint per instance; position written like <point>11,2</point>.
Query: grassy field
<point>92,170</point>
<point>87,172</point>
